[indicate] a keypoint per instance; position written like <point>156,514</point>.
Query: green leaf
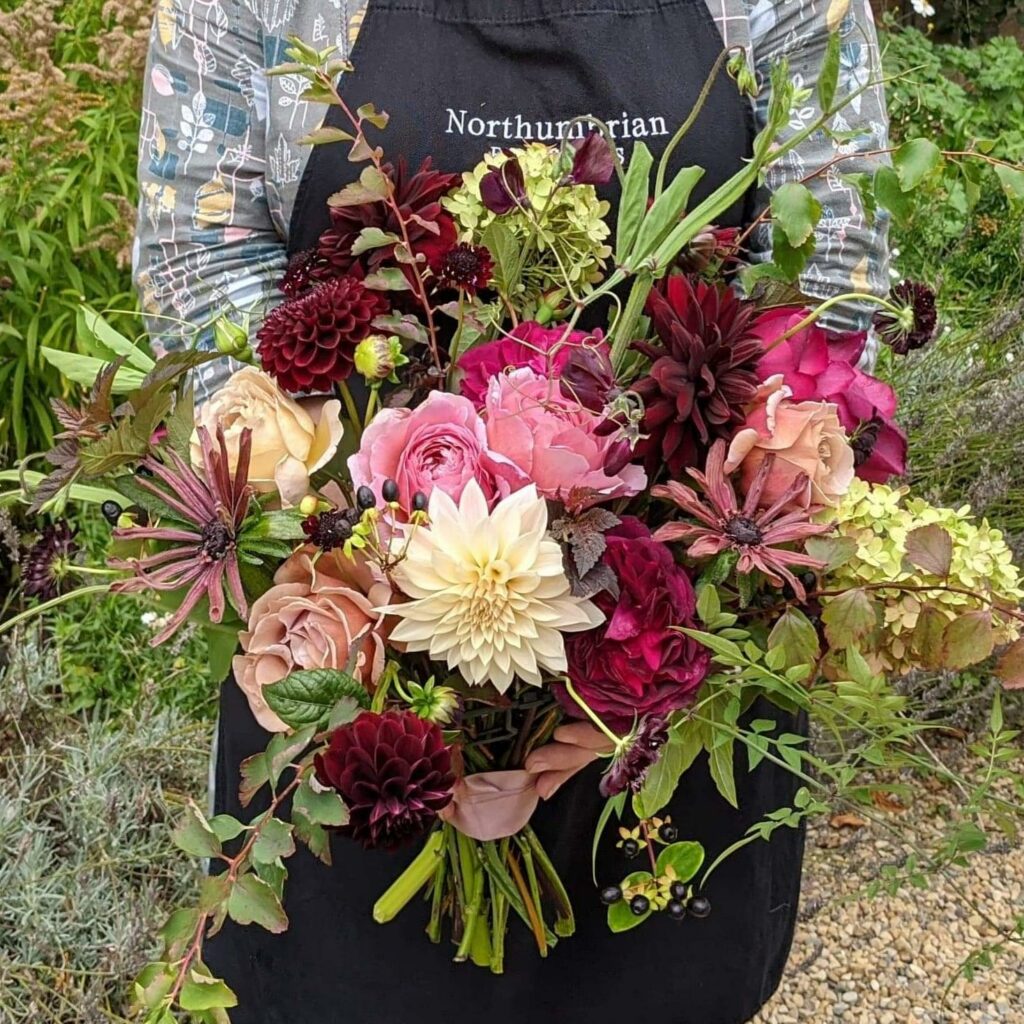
<point>96,327</point>
<point>726,650</point>
<point>320,808</point>
<point>684,744</point>
<point>795,634</point>
<point>930,548</point>
<point>865,186</point>
<point>255,774</point>
<point>279,524</point>
<point>387,279</point>
<point>1010,667</point>
<point>370,188</point>
<point>709,605</point>
<point>613,805</point>
<point>84,370</point>
<point>153,984</point>
<point>204,993</point>
<point>226,827</point>
<point>849,618</point>
<point>968,639</point>
<point>927,638</point>
<point>684,858</point>
<point>796,212</point>
<point>307,697</point>
<point>504,248</point>
<point>620,917</point>
<point>194,835</point>
<point>325,135</point>
<point>790,260</point>
<point>914,161</point>
<point>633,204</point>
<point>368,112</point>
<point>221,644</point>
<point>1012,180</point>
<point>284,748</point>
<point>828,75</point>
<point>315,837</point>
<point>252,901</point>
<point>373,238</point>
<point>274,841</point>
<point>890,195</point>
<point>664,215</point>
<point>178,931</point>
<point>833,551</point>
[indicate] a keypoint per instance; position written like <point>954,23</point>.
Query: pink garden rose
<point>544,349</point>
<point>805,438</point>
<point>311,618</point>
<point>554,439</point>
<point>820,366</point>
<point>441,443</point>
<point>637,662</point>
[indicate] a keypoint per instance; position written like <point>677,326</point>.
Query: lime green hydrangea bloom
<point>572,236</point>
<point>879,518</point>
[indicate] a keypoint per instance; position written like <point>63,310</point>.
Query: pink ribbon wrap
<point>493,805</point>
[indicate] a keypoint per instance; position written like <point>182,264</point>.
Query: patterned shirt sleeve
<point>852,251</point>
<point>206,242</point>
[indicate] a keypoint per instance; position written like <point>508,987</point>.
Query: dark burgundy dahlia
<point>309,344</point>
<point>702,375</point>
<point>394,773</point>
<point>637,662</point>
<point>418,195</point>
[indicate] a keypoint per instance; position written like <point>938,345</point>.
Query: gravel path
<point>888,960</point>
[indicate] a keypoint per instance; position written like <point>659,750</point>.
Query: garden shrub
<point>70,90</point>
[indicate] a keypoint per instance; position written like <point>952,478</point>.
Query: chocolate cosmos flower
<point>41,574</point>
<point>201,530</point>
<point>917,323</point>
<point>629,770</point>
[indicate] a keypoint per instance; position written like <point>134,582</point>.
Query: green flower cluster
<point>564,222</point>
<point>879,519</point>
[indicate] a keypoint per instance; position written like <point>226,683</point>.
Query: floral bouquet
<point>458,542</point>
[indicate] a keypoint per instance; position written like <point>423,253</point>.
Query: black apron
<point>459,77</point>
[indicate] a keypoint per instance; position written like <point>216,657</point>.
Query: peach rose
<point>805,437</point>
<point>290,441</point>
<point>311,618</point>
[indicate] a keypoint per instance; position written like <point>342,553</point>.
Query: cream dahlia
<point>489,593</point>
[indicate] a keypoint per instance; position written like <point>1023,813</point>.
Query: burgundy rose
<point>394,773</point>
<point>636,663</point>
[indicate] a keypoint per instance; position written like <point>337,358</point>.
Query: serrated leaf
<point>914,161</point>
<point>368,112</point>
<point>370,188</point>
<point>305,698</point>
<point>274,841</point>
<point>931,548</point>
<point>1010,667</point>
<point>889,194</point>
<point>795,212</point>
<point>178,931</point>
<point>405,325</point>
<point>284,748</point>
<point>796,636</point>
<point>193,834</point>
<point>505,250</point>
<point>226,827</point>
<point>927,638</point>
<point>320,808</point>
<point>326,135</point>
<point>204,993</point>
<point>387,279</point>
<point>832,551</point>
<point>252,901</point>
<point>685,859</point>
<point>849,618</point>
<point>968,639</point>
<point>372,238</point>
<point>254,774</point>
<point>315,837</point>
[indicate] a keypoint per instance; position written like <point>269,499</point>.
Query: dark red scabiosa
<point>394,773</point>
<point>431,229</point>
<point>760,536</point>
<point>466,267</point>
<point>309,343</point>
<point>916,324</point>
<point>593,162</point>
<point>42,568</point>
<point>637,662</point>
<point>701,376</point>
<point>629,769</point>
<point>301,273</point>
<point>201,530</point>
<point>503,189</point>
<point>331,529</point>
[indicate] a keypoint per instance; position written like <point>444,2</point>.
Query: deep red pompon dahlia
<point>309,343</point>
<point>394,773</point>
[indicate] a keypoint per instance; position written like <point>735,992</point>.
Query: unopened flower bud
<point>232,339</point>
<point>378,356</point>
<point>309,505</point>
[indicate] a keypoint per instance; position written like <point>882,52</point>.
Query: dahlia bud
<point>378,356</point>
<point>232,339</point>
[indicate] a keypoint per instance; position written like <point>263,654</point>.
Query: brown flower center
<point>217,541</point>
<point>743,531</point>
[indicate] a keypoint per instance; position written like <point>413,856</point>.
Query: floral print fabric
<point>220,160</point>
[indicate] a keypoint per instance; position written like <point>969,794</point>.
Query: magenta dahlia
<point>702,374</point>
<point>309,343</point>
<point>394,773</point>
